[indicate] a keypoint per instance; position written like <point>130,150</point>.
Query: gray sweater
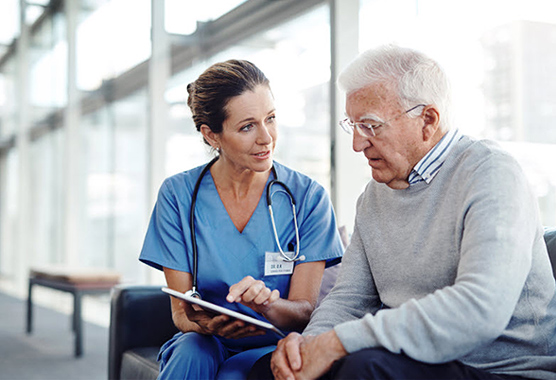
<point>452,270</point>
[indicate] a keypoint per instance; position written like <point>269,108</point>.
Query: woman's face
<point>249,132</point>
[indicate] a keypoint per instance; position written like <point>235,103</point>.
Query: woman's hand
<point>253,293</point>
<point>248,292</point>
<point>291,314</point>
<point>219,324</point>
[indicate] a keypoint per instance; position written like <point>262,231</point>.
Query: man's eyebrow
<point>368,117</point>
<point>372,117</point>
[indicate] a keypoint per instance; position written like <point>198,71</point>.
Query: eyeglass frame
<point>367,129</point>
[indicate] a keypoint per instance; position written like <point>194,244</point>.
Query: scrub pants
<point>378,363</point>
<point>196,356</point>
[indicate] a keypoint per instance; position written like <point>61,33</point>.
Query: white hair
<point>417,78</point>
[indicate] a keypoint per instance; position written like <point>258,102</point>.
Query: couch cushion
<point>140,364</point>
<point>328,281</point>
<point>550,239</point>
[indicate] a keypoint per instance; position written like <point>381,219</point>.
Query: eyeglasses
<point>368,129</point>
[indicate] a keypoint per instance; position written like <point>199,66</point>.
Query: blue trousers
<point>197,356</point>
<point>378,363</point>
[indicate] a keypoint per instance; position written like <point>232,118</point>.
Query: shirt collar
<point>430,164</point>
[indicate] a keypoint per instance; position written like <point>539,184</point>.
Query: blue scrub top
<point>225,255</point>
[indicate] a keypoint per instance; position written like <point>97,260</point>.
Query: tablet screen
<point>222,310</point>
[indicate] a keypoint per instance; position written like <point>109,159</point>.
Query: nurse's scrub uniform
<point>225,256</point>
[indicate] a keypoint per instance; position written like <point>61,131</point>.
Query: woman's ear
<point>210,137</point>
<point>431,117</point>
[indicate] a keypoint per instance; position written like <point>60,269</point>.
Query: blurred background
<point>93,112</point>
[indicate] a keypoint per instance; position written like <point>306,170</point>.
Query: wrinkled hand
<point>253,293</point>
<point>220,324</point>
<point>307,357</point>
<point>286,359</point>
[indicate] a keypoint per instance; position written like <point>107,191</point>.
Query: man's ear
<point>210,137</point>
<point>431,117</point>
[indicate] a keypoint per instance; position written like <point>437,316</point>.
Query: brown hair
<point>210,93</point>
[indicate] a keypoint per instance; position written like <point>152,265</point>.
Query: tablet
<point>222,310</point>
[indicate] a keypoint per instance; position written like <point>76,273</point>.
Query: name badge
<point>274,265</point>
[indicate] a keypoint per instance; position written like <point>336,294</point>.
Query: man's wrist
<point>333,343</point>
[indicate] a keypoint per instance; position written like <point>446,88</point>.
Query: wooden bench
<point>73,280</point>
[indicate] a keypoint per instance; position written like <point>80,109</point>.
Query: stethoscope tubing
<point>192,226</point>
<point>275,181</point>
<point>269,194</point>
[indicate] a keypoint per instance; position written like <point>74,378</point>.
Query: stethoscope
<point>193,292</point>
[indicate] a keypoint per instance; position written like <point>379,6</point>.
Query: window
<point>182,16</point>
<point>499,61</point>
<point>110,40</point>
<point>300,86</point>
<point>114,185</point>
<point>47,198</point>
<point>9,23</point>
<point>8,100</point>
<point>48,68</point>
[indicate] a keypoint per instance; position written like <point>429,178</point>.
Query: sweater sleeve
<point>353,294</point>
<point>500,225</point>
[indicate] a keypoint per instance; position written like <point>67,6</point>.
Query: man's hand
<point>286,359</point>
<point>306,357</point>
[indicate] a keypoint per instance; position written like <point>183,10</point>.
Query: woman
<point>233,108</point>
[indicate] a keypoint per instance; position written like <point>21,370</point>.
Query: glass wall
<point>47,199</point>
<point>8,213</point>
<point>114,184</point>
<point>185,148</point>
<point>300,87</point>
<point>112,110</point>
<point>500,61</point>
<point>8,99</point>
<point>499,55</point>
<point>9,23</point>
<point>48,68</point>
<point>129,190</point>
<point>8,120</point>
<point>182,16</point>
<point>97,184</point>
<point>112,37</point>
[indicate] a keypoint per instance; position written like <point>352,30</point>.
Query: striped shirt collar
<point>430,164</point>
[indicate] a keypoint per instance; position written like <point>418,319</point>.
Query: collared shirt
<point>428,167</point>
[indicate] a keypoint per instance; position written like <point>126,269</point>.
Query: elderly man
<point>447,275</point>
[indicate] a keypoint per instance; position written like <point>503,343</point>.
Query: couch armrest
<point>140,316</point>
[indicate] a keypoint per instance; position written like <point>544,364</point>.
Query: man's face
<point>399,144</point>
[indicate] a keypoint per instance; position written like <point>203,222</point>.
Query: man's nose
<point>360,141</point>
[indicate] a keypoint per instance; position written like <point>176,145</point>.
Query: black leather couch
<point>141,321</point>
